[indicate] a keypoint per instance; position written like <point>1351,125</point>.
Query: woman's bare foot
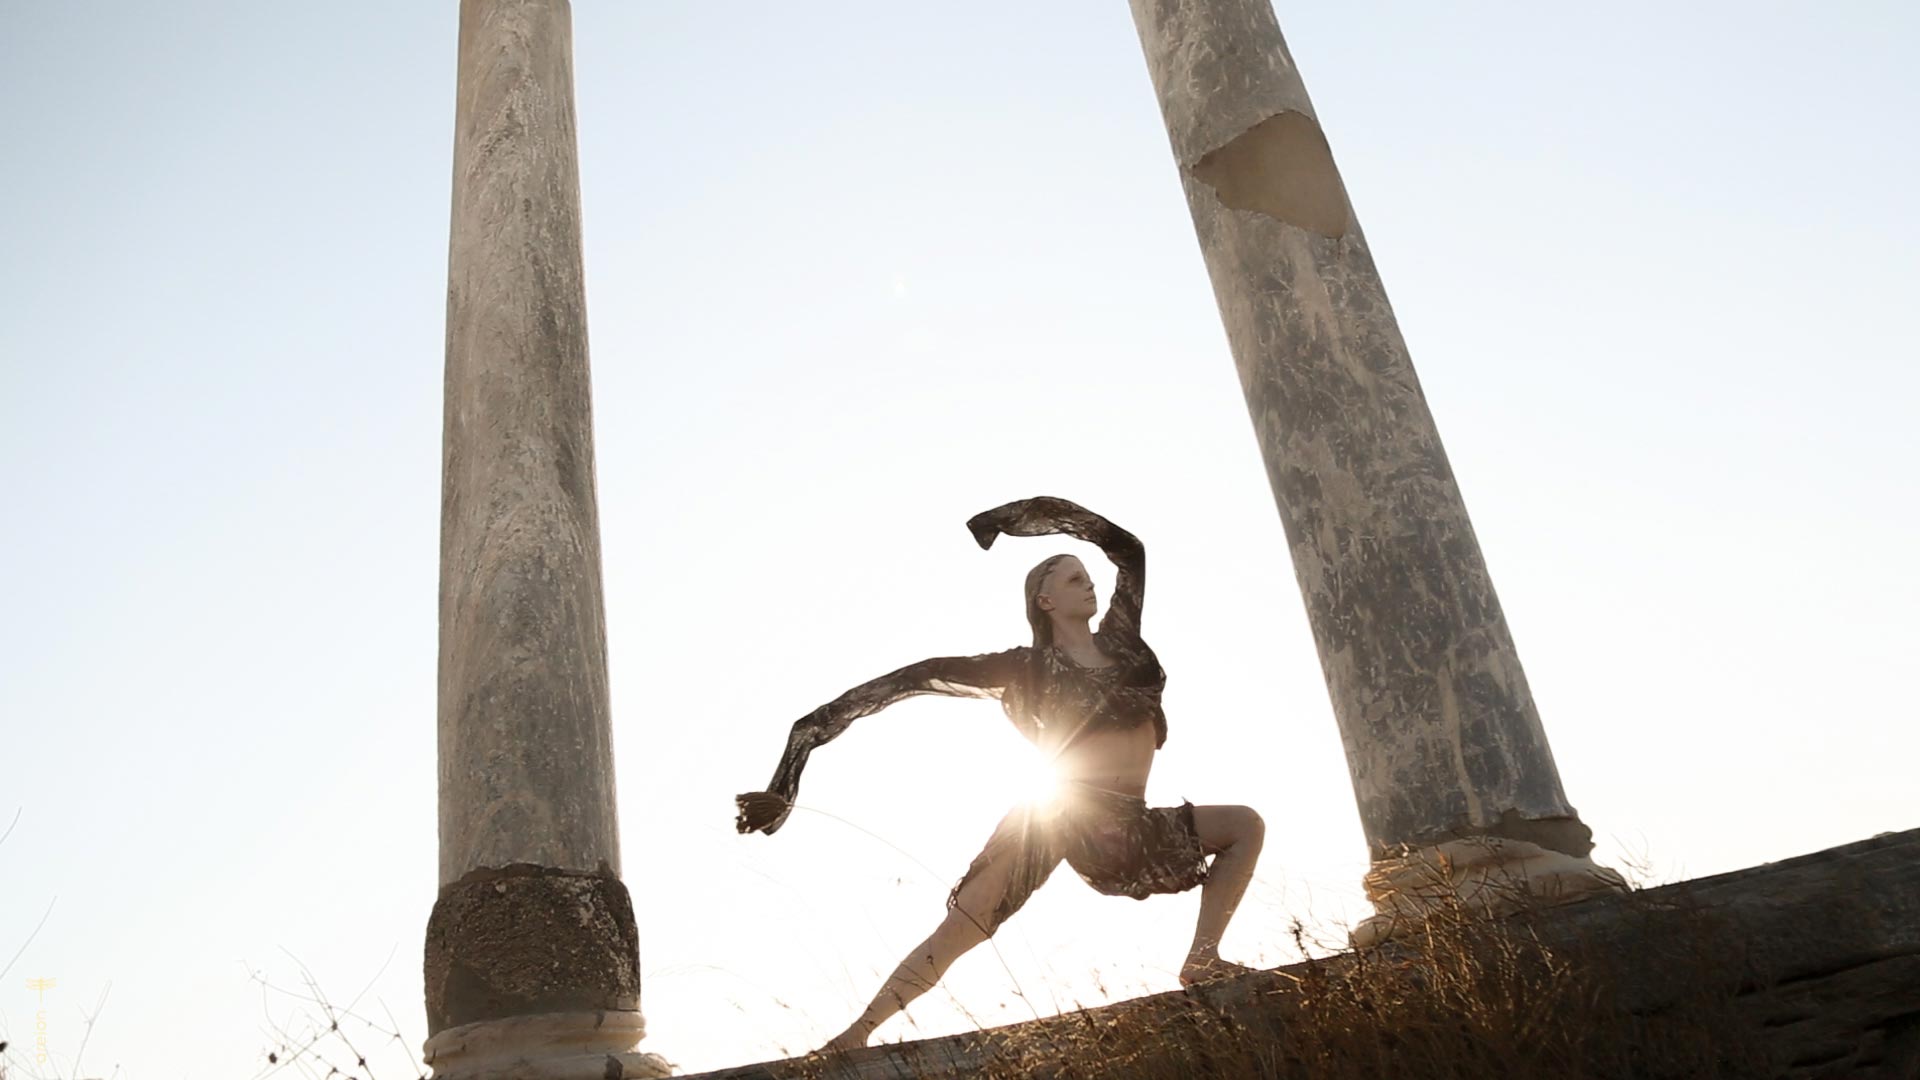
<point>1199,969</point>
<point>846,1040</point>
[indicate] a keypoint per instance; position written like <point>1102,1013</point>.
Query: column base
<point>546,1046</point>
<point>1492,875</point>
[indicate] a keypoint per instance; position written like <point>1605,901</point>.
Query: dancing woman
<point>1090,700</point>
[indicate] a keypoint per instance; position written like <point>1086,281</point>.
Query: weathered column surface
<point>1449,762</point>
<point>532,955</point>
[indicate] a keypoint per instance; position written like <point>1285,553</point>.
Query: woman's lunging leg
<point>916,975</point>
<point>969,922</point>
<point>1236,834</point>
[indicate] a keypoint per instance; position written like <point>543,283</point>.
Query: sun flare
<point>1032,779</point>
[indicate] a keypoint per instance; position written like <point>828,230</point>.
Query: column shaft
<point>526,770</point>
<point>532,956</point>
<point>1441,734</point>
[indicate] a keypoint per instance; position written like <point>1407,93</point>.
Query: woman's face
<point>1067,591</point>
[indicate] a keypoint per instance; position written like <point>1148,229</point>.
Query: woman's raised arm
<point>1045,515</point>
<point>983,676</point>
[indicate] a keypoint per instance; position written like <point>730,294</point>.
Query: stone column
<point>1456,786</point>
<point>532,955</point>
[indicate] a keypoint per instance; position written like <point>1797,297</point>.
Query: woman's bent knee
<point>1228,827</point>
<point>1250,831</point>
<point>1252,825</point>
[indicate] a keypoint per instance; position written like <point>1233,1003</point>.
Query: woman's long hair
<point>1022,701</point>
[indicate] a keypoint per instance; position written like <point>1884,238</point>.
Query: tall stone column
<point>532,954</point>
<point>1456,786</point>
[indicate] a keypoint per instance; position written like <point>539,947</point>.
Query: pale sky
<point>857,271</point>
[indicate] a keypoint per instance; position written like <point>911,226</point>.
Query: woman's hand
<point>760,811</point>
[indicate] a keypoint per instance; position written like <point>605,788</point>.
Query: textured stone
<point>496,940</point>
<point>547,1046</point>
<point>1441,734</point>
<point>526,769</point>
<point>532,954</point>
<point>1493,875</point>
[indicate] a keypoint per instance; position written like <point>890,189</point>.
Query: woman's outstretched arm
<point>1044,515</point>
<point>983,676</point>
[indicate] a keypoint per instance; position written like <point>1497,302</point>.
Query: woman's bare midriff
<point>1115,760</point>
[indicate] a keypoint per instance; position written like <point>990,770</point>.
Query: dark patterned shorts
<point>1116,843</point>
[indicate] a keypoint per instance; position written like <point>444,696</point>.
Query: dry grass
<point>1658,989</point>
<point>1658,996</point>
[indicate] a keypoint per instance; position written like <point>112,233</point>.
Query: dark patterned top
<point>1048,696</point>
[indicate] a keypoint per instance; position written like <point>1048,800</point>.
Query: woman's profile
<point>1090,700</point>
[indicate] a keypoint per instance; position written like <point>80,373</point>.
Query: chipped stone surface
<point>496,939</point>
<point>1441,733</point>
<point>1282,168</point>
